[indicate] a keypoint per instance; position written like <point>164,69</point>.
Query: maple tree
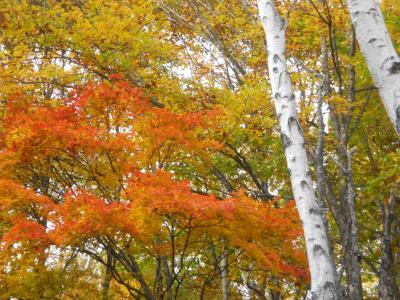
<point>105,191</point>
<point>118,118</point>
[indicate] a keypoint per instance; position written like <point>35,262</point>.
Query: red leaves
<point>16,200</point>
<point>102,132</point>
<point>266,234</point>
<point>27,231</point>
<point>22,210</point>
<point>161,128</point>
<point>43,131</point>
<point>83,215</point>
<point>107,105</point>
<point>113,117</point>
<point>163,196</point>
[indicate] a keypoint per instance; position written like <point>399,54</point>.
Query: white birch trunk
<point>379,53</point>
<point>323,273</point>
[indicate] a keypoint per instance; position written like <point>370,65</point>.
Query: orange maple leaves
<point>112,128</point>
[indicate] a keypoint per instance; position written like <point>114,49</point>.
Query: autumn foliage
<point>91,174</point>
<point>141,156</point>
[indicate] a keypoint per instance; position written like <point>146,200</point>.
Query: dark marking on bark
<point>304,184</point>
<point>315,211</point>
<point>277,96</point>
<point>373,11</point>
<point>319,249</point>
<point>275,70</point>
<point>276,58</point>
<point>287,78</point>
<point>395,68</point>
<point>329,285</point>
<point>294,123</point>
<point>286,142</point>
<point>387,63</point>
<point>398,119</point>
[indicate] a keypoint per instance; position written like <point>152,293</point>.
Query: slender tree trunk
<point>225,273</point>
<point>378,50</point>
<point>354,285</point>
<point>352,254</point>
<point>388,289</point>
<point>106,284</point>
<point>224,267</point>
<point>275,295</point>
<point>158,281</point>
<point>168,277</point>
<point>323,273</point>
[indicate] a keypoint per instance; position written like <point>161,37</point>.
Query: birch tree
<point>196,56</point>
<point>380,55</point>
<point>323,274</point>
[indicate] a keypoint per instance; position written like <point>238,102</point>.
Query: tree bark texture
<point>379,53</point>
<point>323,273</point>
<point>388,289</point>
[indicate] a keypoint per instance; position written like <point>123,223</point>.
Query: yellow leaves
<point>50,47</point>
<point>340,105</point>
<point>14,197</point>
<point>391,10</point>
<point>95,145</point>
<point>17,135</point>
<point>20,51</point>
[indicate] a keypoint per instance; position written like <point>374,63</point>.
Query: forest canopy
<point>199,149</point>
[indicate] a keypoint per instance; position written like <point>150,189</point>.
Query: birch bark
<point>380,55</point>
<point>323,273</point>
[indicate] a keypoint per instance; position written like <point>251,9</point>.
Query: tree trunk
<point>225,273</point>
<point>388,289</point>
<point>168,277</point>
<point>343,214</point>
<point>352,251</point>
<point>106,284</point>
<point>275,295</point>
<point>379,53</point>
<point>323,273</point>
<point>158,281</point>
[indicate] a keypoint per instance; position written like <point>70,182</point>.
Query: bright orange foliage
<point>101,160</point>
